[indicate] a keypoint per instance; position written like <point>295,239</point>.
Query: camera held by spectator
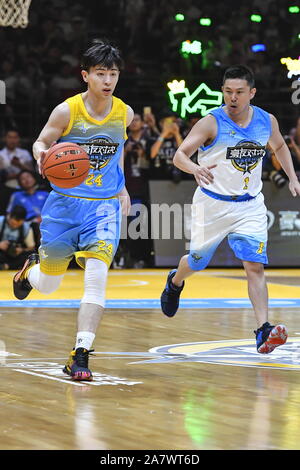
<point>273,168</point>
<point>277,178</point>
<point>12,249</point>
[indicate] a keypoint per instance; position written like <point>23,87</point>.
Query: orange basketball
<point>66,165</point>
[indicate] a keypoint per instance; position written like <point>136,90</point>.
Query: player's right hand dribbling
<point>40,163</point>
<point>203,175</point>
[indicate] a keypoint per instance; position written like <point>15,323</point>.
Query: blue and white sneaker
<point>169,299</point>
<point>269,337</point>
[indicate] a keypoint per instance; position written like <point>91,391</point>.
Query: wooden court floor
<point>194,381</point>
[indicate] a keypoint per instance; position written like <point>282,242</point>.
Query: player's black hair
<point>102,53</point>
<point>242,72</point>
<point>18,213</point>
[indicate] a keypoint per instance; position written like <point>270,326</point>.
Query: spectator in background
<point>16,239</point>
<point>150,125</point>
<point>52,62</point>
<point>272,169</point>
<point>13,159</point>
<point>64,83</point>
<point>189,124</point>
<point>8,75</point>
<point>136,170</point>
<point>163,149</point>
<point>295,151</point>
<point>295,132</point>
<point>136,163</point>
<point>30,197</point>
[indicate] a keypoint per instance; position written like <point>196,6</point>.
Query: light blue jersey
<point>85,221</point>
<point>103,141</point>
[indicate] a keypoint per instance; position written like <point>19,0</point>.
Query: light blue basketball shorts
<point>244,224</point>
<point>86,228</point>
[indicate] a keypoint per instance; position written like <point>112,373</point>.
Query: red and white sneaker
<point>269,337</point>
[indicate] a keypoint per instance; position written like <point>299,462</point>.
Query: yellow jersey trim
<point>80,103</point>
<point>53,271</point>
<point>88,198</point>
<point>90,118</point>
<point>90,254</point>
<point>125,124</point>
<point>72,115</point>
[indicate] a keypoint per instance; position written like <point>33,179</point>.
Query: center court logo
<point>233,353</point>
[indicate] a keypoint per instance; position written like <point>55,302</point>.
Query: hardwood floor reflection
<point>145,396</point>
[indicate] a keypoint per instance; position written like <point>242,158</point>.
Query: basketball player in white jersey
<point>231,143</point>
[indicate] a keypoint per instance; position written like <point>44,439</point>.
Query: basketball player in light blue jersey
<point>228,202</point>
<point>84,221</point>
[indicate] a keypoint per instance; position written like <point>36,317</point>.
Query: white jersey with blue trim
<point>238,153</point>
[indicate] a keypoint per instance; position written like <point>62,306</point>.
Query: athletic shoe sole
<point>20,294</point>
<point>78,375</point>
<point>19,273</point>
<point>277,337</point>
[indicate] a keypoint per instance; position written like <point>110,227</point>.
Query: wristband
<point>160,139</point>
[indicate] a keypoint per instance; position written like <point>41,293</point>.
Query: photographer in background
<point>163,149</point>
<point>294,149</point>
<point>136,253</point>
<point>273,167</point>
<point>16,239</point>
<point>272,170</point>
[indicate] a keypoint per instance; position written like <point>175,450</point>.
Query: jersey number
<point>92,179</point>
<point>246,182</point>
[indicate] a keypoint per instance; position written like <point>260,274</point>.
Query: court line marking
<point>44,376</point>
<point>200,303</point>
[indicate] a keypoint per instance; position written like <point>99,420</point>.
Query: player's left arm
<point>283,155</point>
<point>123,194</point>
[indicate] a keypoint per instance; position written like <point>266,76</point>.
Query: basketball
<point>66,165</point>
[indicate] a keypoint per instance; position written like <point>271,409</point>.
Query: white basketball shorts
<point>243,223</point>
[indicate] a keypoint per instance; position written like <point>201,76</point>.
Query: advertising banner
<point>171,219</point>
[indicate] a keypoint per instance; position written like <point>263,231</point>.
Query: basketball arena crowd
<point>40,66</point>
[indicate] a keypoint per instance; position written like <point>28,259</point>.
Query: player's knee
<point>253,268</point>
<point>49,284</point>
<point>95,282</point>
<point>197,262</point>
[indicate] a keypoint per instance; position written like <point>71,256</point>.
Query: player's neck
<point>97,107</point>
<point>243,118</point>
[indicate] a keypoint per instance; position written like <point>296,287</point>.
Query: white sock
<point>84,339</point>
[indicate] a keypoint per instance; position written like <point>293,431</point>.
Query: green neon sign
<point>294,9</point>
<point>202,100</point>
<point>188,47</point>
<point>256,18</point>
<point>205,21</point>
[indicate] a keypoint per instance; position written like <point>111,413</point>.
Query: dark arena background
<point>189,383</point>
